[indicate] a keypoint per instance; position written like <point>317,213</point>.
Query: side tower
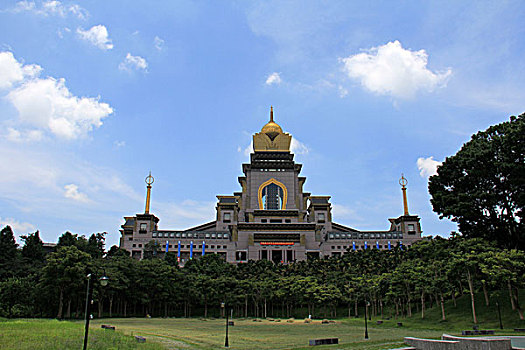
<point>138,230</point>
<point>408,225</point>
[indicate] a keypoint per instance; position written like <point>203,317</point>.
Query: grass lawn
<point>180,333</point>
<point>194,333</point>
<point>42,334</point>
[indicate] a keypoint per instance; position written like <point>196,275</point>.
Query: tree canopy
<point>397,282</point>
<point>482,186</point>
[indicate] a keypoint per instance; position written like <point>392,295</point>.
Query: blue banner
<point>389,246</point>
<point>203,247</point>
<point>366,245</point>
<point>191,249</point>
<point>353,245</point>
<point>377,245</point>
<point>167,245</point>
<point>401,245</point>
<point>178,253</point>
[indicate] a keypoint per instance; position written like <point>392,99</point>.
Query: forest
<point>394,283</point>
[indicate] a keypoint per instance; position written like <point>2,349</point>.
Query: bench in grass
<point>140,339</point>
<point>326,341</point>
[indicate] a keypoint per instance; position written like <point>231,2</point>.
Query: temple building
<point>272,217</point>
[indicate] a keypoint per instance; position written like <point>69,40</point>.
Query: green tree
<point>95,245</point>
<point>16,297</point>
<point>116,251</point>
<point>468,257</point>
<point>33,251</point>
<point>8,253</point>
<point>65,273</point>
<point>67,239</point>
<point>482,187</point>
<point>506,267</point>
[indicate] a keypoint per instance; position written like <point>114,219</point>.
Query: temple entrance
<point>289,256</point>
<point>277,256</point>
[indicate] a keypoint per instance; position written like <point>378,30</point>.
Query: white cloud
<point>185,214</point>
<point>33,187</point>
<point>16,225</point>
<point>78,11</point>
<point>427,166</point>
<point>54,7</point>
<point>246,150</point>
<point>273,78</point>
<point>24,135</point>
<point>48,104</point>
<point>36,176</point>
<point>343,212</point>
<point>12,71</point>
<point>392,70</point>
<point>71,191</point>
<point>158,43</point>
<point>133,63</point>
<point>51,8</point>
<point>96,35</point>
<point>119,144</point>
<point>298,147</point>
<point>24,6</point>
<point>342,91</point>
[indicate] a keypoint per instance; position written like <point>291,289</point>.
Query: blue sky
<point>94,95</point>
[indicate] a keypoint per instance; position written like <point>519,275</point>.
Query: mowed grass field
<point>193,333</point>
<point>196,333</point>
<point>43,334</point>
<point>266,334</point>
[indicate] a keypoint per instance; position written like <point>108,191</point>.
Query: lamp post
<point>103,282</point>
<point>367,304</point>
<point>499,316</point>
<point>226,343</point>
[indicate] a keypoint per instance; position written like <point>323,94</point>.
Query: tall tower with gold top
<point>149,181</point>
<point>408,224</point>
<point>138,230</point>
<point>403,182</point>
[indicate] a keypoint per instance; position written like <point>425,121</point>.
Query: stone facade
<point>270,218</point>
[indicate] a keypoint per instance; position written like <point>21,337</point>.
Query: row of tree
<point>401,281</point>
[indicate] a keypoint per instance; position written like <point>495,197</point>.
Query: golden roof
<point>271,127</point>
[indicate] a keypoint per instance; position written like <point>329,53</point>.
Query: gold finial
<point>149,180</point>
<point>403,182</point>
<point>271,114</point>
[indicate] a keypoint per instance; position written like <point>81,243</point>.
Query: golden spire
<point>149,180</point>
<point>272,129</point>
<point>403,182</point>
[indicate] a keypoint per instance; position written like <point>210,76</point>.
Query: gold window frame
<point>278,183</point>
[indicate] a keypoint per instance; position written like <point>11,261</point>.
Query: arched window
<point>272,197</point>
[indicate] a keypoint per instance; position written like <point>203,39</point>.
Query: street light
<point>499,316</point>
<point>226,343</point>
<point>367,304</point>
<point>103,282</point>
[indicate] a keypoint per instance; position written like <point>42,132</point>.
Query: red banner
<point>277,243</point>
